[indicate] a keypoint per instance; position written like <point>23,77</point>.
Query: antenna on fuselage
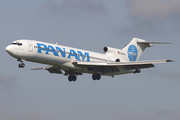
<point>56,43</point>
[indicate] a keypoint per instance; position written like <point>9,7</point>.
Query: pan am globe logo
<point>132,53</point>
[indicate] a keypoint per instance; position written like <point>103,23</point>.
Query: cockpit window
<point>19,44</point>
<point>13,44</point>
<point>16,43</point>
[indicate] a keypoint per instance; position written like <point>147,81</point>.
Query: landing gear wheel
<point>96,76</point>
<point>21,65</point>
<point>72,78</point>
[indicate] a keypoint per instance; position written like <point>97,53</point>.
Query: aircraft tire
<point>70,78</point>
<point>21,65</point>
<point>96,76</point>
<point>74,78</point>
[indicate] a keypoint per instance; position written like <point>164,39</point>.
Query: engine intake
<point>117,60</point>
<point>111,50</point>
<point>105,49</point>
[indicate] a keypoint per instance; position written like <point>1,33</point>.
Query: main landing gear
<point>21,65</point>
<point>96,76</point>
<point>72,78</point>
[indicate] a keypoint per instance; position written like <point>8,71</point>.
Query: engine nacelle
<point>113,52</point>
<point>110,50</point>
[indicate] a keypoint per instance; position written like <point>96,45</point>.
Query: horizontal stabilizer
<point>149,44</point>
<point>154,42</point>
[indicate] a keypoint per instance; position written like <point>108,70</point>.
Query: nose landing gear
<point>21,65</point>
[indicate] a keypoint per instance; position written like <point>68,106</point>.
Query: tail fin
<point>136,47</point>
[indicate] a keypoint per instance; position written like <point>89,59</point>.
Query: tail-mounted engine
<point>113,52</point>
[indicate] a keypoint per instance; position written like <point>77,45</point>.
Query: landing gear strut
<point>72,78</point>
<point>137,71</point>
<point>96,76</point>
<point>21,65</point>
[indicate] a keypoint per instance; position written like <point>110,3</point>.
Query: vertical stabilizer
<point>135,49</point>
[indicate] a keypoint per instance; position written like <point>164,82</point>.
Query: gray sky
<point>91,25</point>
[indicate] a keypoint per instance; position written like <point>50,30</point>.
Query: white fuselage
<point>57,55</point>
<point>75,61</point>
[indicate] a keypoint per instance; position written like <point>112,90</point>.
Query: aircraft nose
<point>9,48</point>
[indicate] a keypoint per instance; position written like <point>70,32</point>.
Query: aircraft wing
<point>51,69</point>
<point>126,65</point>
<point>55,69</point>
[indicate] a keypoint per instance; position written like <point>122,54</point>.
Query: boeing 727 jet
<point>73,62</point>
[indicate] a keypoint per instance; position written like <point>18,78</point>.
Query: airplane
<point>74,62</point>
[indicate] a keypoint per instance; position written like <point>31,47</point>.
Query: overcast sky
<point>154,94</point>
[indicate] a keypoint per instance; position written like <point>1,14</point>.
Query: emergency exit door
<point>30,46</point>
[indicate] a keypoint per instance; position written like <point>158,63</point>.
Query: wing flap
<point>130,67</point>
<point>84,63</point>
